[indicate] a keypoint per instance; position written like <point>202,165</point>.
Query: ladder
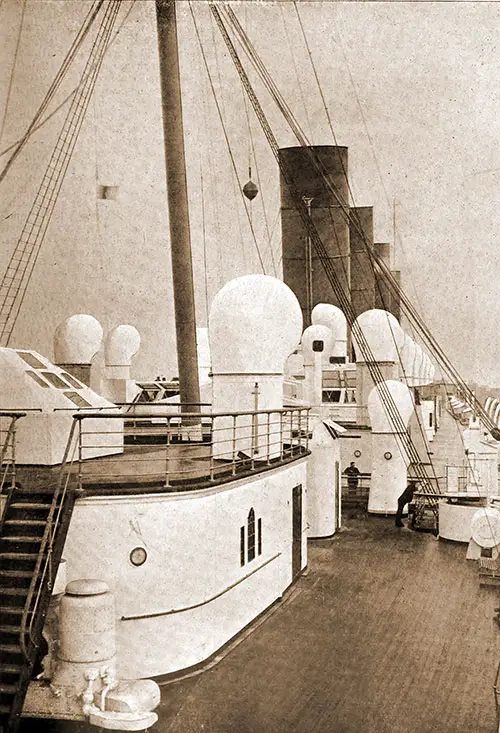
<point>33,530</point>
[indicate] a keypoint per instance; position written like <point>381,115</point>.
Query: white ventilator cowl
<point>314,334</point>
<point>382,334</point>
<point>255,323</point>
<point>77,339</point>
<point>388,403</point>
<point>121,344</point>
<point>326,314</point>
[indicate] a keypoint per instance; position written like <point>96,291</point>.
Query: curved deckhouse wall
<point>199,585</point>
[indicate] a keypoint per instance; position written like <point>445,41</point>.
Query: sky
<point>412,89</point>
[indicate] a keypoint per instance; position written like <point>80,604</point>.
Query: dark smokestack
<point>382,289</point>
<point>307,167</point>
<point>362,273</point>
<point>395,308</point>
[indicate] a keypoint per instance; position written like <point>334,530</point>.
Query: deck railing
<point>175,449</point>
<point>356,488</point>
<point>8,426</point>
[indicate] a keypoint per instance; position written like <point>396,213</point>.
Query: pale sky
<point>413,90</point>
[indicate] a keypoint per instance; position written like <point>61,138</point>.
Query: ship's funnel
<point>318,176</point>
<point>362,272</point>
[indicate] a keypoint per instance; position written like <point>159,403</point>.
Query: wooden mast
<point>180,238</point>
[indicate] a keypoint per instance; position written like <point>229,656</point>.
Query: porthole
<point>388,455</point>
<point>138,556</point>
<point>357,453</point>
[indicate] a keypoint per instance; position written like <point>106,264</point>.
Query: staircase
<point>32,534</point>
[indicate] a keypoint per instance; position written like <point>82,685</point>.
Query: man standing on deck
<point>403,500</point>
<point>352,472</point>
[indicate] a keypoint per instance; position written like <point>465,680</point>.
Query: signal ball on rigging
<point>250,190</point>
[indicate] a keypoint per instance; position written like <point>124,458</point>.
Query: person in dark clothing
<point>403,500</point>
<point>352,472</point>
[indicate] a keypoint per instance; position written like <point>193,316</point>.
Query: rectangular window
<point>33,362</point>
<point>331,395</point>
<point>242,546</point>
<point>77,399</point>
<point>430,419</point>
<point>55,380</point>
<point>38,379</point>
<point>74,382</point>
<point>337,360</point>
<point>259,536</point>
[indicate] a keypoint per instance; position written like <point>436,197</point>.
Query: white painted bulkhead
<point>192,594</point>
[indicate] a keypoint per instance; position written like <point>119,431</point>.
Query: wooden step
<point>28,505</point>
<point>22,538</point>
<point>14,629</point>
<point>19,555</point>
<point>9,591</point>
<point>16,574</point>
<point>10,648</point>
<point>7,668</point>
<point>7,689</point>
<point>29,522</point>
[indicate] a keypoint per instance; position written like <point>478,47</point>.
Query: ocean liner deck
<point>388,633</point>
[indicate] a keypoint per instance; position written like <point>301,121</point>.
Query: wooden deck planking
<point>388,633</point>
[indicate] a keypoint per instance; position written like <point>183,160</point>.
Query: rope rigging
<point>226,137</point>
<point>406,445</point>
<point>407,306</point>
<point>68,59</point>
<point>22,262</point>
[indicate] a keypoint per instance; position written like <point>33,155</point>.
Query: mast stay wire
<point>403,439</point>
<point>226,137</point>
<point>382,265</point>
<point>205,269</point>
<point>354,212</point>
<point>67,61</point>
<point>234,181</point>
<point>14,284</point>
<point>378,264</point>
<point>294,125</point>
<point>13,70</point>
<point>66,99</point>
<point>259,182</point>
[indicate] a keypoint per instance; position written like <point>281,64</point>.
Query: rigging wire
<point>69,96</point>
<point>17,277</point>
<point>205,269</point>
<point>13,70</point>
<point>407,306</point>
<point>368,264</point>
<point>403,439</point>
<point>226,137</point>
<point>234,180</point>
<point>296,70</point>
<point>68,59</point>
